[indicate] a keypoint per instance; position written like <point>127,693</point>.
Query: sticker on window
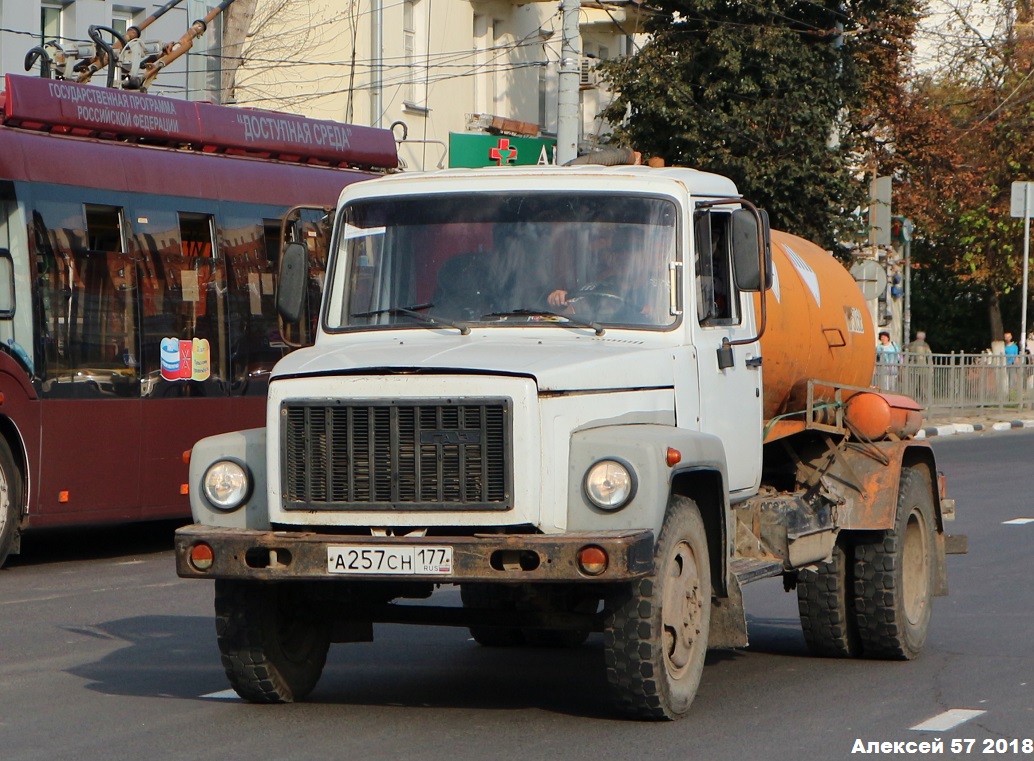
<point>187,359</point>
<point>351,231</point>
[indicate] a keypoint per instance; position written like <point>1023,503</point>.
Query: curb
<point>952,429</point>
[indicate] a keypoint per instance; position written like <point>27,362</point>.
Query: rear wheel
<point>10,500</point>
<point>825,599</point>
<point>273,646</point>
<point>563,602</point>
<point>656,628</point>
<point>894,575</point>
<point>495,597</point>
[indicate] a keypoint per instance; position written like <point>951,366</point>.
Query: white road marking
<point>948,720</point>
<point>222,695</point>
<point>1018,522</point>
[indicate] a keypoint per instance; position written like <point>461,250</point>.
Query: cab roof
<point>622,177</point>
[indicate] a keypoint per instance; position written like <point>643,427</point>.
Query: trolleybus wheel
<point>10,500</point>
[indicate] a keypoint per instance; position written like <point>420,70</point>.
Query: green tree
<point>960,139</point>
<point>783,96</point>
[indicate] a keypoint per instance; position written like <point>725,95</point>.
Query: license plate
<point>399,561</point>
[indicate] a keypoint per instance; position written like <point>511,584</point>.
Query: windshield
<point>460,260</point>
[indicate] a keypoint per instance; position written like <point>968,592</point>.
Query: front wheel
<point>10,500</point>
<point>894,575</point>
<point>273,645</point>
<point>656,628</point>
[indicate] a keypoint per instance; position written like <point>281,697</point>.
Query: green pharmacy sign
<point>476,150</point>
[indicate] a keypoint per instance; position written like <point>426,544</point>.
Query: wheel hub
<point>682,609</point>
<point>916,581</point>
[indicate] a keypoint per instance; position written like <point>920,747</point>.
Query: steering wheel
<point>598,304</point>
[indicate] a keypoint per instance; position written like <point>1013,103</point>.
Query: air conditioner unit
<point>589,77</point>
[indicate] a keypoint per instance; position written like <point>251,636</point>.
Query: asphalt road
<point>106,654</point>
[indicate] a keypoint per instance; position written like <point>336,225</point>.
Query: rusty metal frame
<point>508,558</point>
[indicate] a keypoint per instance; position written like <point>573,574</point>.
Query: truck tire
<point>825,600</point>
<point>10,500</point>
<point>273,652</point>
<point>492,597</point>
<point>656,628</point>
<point>894,576</point>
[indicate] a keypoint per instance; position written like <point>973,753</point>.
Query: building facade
<point>465,82</point>
<point>448,74</point>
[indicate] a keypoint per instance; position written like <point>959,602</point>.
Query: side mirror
<point>292,282</point>
<point>751,247</point>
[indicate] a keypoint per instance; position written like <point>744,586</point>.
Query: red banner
<point>67,106</point>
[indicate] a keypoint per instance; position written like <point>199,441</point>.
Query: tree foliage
<point>960,139</point>
<point>783,96</point>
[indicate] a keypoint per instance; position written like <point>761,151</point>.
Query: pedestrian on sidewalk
<point>888,356</point>
<point>920,370</point>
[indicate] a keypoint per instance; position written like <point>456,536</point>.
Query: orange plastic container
<point>818,328</point>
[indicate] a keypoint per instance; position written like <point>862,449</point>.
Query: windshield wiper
<point>568,319</point>
<point>414,312</point>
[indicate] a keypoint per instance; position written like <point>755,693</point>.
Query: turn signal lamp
<point>592,560</point>
<point>673,457</point>
<point>201,557</point>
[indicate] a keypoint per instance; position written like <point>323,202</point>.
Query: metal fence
<point>949,384</point>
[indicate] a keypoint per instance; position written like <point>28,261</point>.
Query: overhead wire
<point>455,63</point>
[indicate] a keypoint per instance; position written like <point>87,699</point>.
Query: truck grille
<point>380,455</point>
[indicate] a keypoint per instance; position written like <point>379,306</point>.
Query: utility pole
<point>1022,206</point>
<point>377,85</point>
<point>906,243</point>
<point>567,88</point>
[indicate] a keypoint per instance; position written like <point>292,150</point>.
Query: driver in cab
<point>623,290</point>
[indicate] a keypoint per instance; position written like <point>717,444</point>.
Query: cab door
<point>729,376</point>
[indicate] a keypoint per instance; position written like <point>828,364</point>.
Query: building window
<point>122,19</point>
<point>50,22</point>
<point>413,92</point>
<point>500,60</point>
<point>480,61</point>
<point>543,94</point>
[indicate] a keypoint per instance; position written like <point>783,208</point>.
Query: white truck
<point>597,399</point>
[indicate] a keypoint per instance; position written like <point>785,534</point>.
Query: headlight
<point>226,484</point>
<point>609,484</point>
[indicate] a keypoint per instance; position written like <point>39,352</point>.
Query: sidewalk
<point>974,423</point>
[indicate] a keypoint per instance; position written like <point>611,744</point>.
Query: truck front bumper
<point>206,552</point>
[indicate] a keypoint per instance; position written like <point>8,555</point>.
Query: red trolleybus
<point>138,246</point>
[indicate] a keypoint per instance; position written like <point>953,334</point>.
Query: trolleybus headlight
<point>610,485</point>
<point>226,484</point>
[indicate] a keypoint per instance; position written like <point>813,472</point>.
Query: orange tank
<point>818,328</point>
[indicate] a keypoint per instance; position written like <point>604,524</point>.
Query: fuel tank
<point>819,327</point>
